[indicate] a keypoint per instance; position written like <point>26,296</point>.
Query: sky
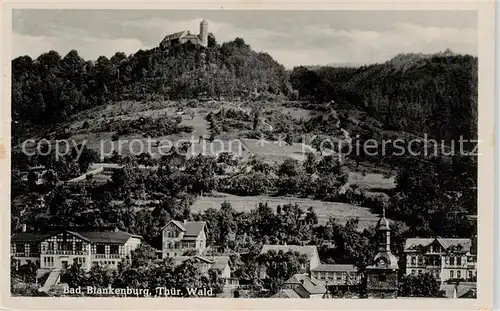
<point>291,37</point>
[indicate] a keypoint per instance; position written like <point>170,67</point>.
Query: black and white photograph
<point>245,154</point>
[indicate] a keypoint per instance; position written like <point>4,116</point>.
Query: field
<point>276,149</point>
<point>340,211</point>
<point>372,182</point>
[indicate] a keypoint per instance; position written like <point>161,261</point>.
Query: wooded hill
<point>50,88</point>
<point>416,93</point>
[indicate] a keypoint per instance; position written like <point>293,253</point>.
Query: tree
<point>85,158</point>
<point>310,163</point>
<point>289,167</point>
<point>422,285</point>
<point>280,266</point>
<point>74,276</point>
<point>143,255</point>
<point>188,275</point>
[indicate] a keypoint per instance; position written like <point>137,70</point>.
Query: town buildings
<point>60,249</point>
<point>382,275</point>
<point>180,237</point>
<point>53,252</point>
<point>222,264</point>
<point>460,290</point>
<point>445,258</point>
<point>185,36</point>
<point>338,275</point>
<point>304,286</point>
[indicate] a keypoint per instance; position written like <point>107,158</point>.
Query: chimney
<point>23,227</point>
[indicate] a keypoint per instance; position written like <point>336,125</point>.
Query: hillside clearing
<point>340,211</point>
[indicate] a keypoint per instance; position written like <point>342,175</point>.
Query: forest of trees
<point>51,88</point>
<point>433,94</point>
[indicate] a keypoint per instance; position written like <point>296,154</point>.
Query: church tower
<point>382,275</point>
<point>204,33</point>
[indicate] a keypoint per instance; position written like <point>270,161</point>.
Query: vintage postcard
<point>243,155</point>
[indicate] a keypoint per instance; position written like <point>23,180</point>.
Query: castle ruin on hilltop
<point>185,36</point>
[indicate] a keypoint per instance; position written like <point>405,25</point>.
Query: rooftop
<point>449,244</point>
<point>118,236</point>
<point>286,293</point>
<point>462,289</point>
<point>335,268</point>
<point>310,284</point>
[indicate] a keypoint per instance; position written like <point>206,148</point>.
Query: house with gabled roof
<point>53,252</point>
<point>222,264</point>
<point>185,36</point>
<point>304,286</point>
<point>445,258</point>
<point>180,237</point>
<point>61,248</point>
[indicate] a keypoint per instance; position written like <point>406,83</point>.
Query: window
<point>113,249</point>
<point>382,278</point>
<point>420,260</point>
<point>100,249</point>
<point>413,260</point>
<point>470,275</point>
<point>452,274</point>
<point>78,246</point>
<point>452,261</point>
<point>413,272</point>
<point>419,272</point>
<point>19,248</point>
<point>459,261</point>
<point>50,246</point>
<point>34,248</point>
<point>48,261</point>
<point>67,246</point>
<point>459,274</point>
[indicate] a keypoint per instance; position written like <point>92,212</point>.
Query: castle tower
<point>204,33</point>
<point>382,276</point>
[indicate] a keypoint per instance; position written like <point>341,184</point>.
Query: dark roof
<point>109,237</point>
<point>452,244</point>
<point>193,228</point>
<point>310,284</point>
<point>30,236</point>
<point>335,267</point>
<point>178,224</point>
<point>175,35</point>
<point>90,236</point>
